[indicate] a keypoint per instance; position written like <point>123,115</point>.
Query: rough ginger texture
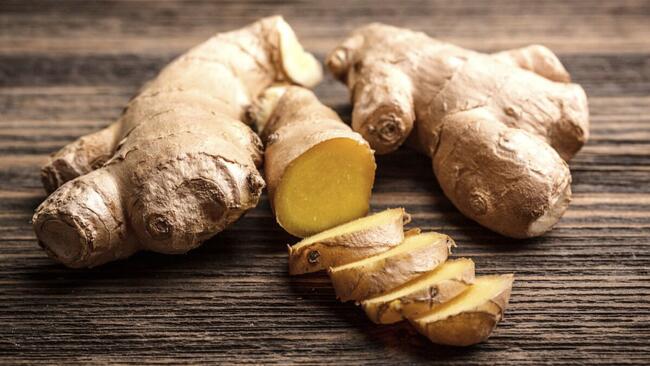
<point>318,171</point>
<point>499,128</point>
<point>179,165</point>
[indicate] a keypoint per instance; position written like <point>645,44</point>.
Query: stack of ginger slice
<point>396,275</point>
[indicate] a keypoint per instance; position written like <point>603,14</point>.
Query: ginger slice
<point>349,242</point>
<point>471,317</point>
<point>380,273</point>
<point>421,294</point>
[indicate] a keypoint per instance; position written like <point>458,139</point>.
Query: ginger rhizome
<point>319,173</point>
<point>499,128</point>
<point>411,280</point>
<point>179,165</point>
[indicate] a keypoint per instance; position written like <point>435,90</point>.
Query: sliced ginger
<point>421,294</point>
<point>470,317</point>
<point>380,273</point>
<point>412,280</point>
<point>327,185</point>
<point>349,242</point>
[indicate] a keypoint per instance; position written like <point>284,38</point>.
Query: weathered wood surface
<point>582,294</point>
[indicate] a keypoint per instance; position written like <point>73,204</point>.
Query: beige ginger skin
<point>499,128</point>
<point>179,165</point>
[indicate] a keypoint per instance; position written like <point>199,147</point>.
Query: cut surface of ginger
<point>411,243</point>
<point>449,270</point>
<point>484,289</point>
<point>328,185</point>
<point>364,223</point>
<point>300,67</point>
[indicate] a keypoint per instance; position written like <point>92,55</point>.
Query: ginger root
<point>319,172</point>
<point>499,128</point>
<point>179,165</point>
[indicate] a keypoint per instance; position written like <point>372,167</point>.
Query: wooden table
<point>582,294</point>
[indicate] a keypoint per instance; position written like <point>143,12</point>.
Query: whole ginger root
<point>499,128</point>
<point>179,165</point>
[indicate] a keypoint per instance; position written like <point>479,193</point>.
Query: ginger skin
<point>319,173</point>
<point>499,128</point>
<point>179,165</point>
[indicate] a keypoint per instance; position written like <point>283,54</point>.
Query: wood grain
<point>582,293</point>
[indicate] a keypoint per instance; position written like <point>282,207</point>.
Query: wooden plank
<point>600,74</point>
<point>108,26</point>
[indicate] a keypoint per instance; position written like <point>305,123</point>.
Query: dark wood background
<point>582,294</point>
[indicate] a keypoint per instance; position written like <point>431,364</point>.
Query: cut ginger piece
<point>349,242</point>
<point>328,185</point>
<point>319,172</point>
<point>471,317</point>
<point>421,294</point>
<point>371,276</point>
